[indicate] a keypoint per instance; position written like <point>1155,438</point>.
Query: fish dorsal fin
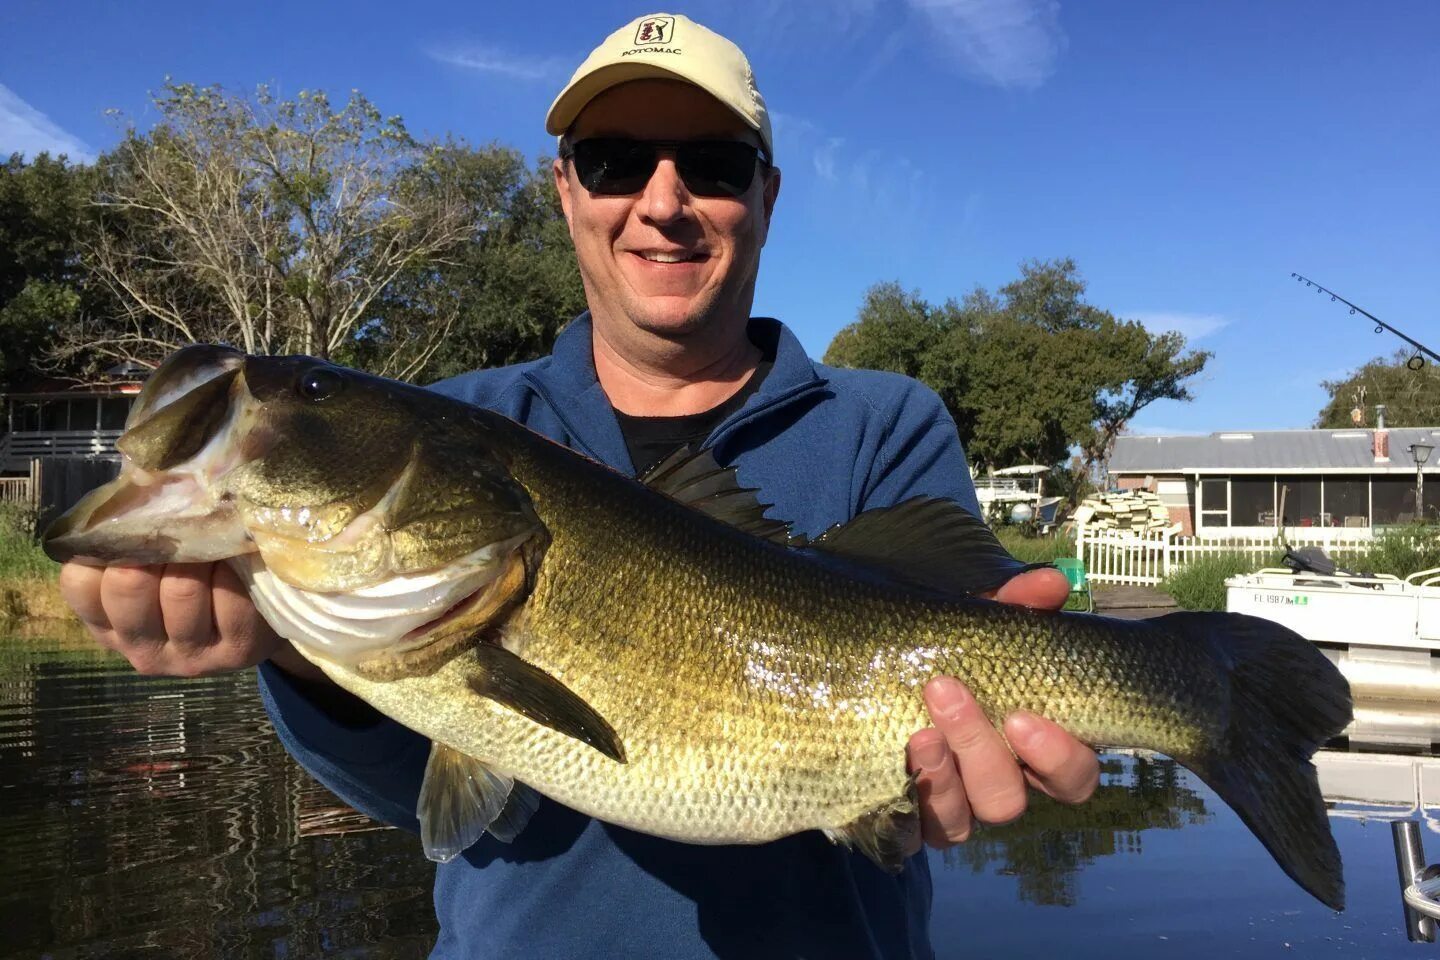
<point>698,481</point>
<point>461,798</point>
<point>927,541</point>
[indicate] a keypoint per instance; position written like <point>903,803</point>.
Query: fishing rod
<point>1415,362</point>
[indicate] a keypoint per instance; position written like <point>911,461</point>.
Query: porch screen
<point>1252,501</point>
<point>1215,502</point>
<point>1301,499</point>
<point>1394,499</point>
<point>1347,501</point>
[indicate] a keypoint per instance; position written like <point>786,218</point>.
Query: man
<point>666,181</point>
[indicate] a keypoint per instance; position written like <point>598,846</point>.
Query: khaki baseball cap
<point>668,46</point>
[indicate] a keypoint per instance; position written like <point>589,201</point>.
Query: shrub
<point>1034,549</point>
<point>20,553</point>
<point>1200,584</point>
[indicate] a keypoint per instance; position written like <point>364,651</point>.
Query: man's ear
<point>561,171</point>
<point>772,191</point>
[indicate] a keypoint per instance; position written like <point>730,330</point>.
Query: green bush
<point>1034,549</point>
<point>20,553</point>
<point>1200,584</point>
<point>1399,551</point>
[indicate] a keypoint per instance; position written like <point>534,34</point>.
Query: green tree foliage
<point>1411,397</point>
<point>43,210</point>
<point>508,289</point>
<point>1028,373</point>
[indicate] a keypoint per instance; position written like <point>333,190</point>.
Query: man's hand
<point>965,771</point>
<point>179,620</point>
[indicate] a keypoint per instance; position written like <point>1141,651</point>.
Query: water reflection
<point>160,818</point>
<point>1046,849</point>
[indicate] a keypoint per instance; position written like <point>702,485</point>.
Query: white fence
<point>21,489</point>
<point>1120,556</point>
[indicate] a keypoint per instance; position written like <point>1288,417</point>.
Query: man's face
<point>663,259</point>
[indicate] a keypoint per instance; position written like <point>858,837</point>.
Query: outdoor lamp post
<point>1421,453</point>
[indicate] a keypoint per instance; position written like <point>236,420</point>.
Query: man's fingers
<point>944,811</point>
<point>131,599</point>
<point>992,780</point>
<point>1056,762</point>
<point>1043,589</point>
<point>185,607</point>
<point>80,589</point>
<point>245,638</point>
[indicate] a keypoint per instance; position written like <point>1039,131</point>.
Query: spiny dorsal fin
<point>697,481</point>
<point>927,541</point>
<point>461,798</point>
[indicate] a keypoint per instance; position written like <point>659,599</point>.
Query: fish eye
<point>319,383</point>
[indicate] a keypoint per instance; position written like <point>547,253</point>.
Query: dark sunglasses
<point>615,167</point>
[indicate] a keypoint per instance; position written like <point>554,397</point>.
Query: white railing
<point>21,489</point>
<point>1148,557</point>
<point>26,445</point>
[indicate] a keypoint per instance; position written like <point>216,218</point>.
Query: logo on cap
<point>655,30</point>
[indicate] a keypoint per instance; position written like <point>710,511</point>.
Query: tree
<point>1411,396</point>
<point>1027,374</point>
<point>43,211</point>
<point>271,224</point>
<point>510,287</point>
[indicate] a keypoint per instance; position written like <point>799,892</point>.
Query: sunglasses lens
<point>613,167</point>
<point>721,168</point>
<point>616,167</point>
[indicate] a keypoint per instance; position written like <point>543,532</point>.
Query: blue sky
<point>1189,156</point>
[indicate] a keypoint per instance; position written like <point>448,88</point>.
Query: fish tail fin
<point>1286,700</point>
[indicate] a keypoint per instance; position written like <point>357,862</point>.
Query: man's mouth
<point>670,256</point>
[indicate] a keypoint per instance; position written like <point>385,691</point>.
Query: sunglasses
<point>616,167</point>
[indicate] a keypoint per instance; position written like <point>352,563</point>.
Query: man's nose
<point>665,196</point>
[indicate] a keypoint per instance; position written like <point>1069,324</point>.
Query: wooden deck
<point>1130,602</point>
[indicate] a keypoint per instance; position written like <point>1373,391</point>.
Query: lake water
<point>147,817</point>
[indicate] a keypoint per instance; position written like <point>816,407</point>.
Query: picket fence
<point>1122,556</point>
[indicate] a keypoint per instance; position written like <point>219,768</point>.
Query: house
<point>52,419</point>
<point>1246,483</point>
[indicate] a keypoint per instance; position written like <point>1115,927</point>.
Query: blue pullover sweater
<point>821,445</point>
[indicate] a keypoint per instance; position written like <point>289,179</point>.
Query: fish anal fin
<point>531,692</point>
<point>460,799</point>
<point>886,834</point>
<point>928,541</point>
<point>697,480</point>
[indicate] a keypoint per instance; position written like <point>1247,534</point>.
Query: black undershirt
<point>652,439</point>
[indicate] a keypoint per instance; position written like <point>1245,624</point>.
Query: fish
<point>660,653</point>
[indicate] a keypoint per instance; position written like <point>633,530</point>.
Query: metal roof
<point>1268,451</point>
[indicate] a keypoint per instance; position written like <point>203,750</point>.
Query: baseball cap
<point>668,46</point>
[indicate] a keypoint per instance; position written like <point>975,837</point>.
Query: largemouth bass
<point>661,655</point>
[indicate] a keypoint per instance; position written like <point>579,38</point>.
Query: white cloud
<point>23,129</point>
<point>1008,43</point>
<point>1192,326</point>
<point>513,65</point>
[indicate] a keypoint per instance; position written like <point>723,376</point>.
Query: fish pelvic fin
<point>461,798</point>
<point>525,688</point>
<point>1286,700</point>
<point>885,834</point>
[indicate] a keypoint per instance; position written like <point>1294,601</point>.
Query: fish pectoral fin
<point>884,834</point>
<point>460,799</point>
<point>531,692</point>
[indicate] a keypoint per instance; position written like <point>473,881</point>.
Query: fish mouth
<point>163,508</point>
